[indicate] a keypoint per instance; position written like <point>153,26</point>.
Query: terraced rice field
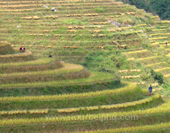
<point>104,57</point>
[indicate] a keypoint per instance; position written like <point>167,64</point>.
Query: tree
<point>159,7</point>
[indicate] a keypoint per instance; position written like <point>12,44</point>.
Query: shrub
<point>145,77</point>
<point>157,76</point>
<point>118,60</point>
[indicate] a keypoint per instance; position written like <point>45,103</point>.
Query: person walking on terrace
<point>150,90</point>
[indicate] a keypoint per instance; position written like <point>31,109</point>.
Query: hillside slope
<point>124,49</point>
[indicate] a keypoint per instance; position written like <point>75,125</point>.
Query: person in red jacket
<point>22,49</point>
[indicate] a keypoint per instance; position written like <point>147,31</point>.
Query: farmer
<point>150,90</point>
<point>22,49</point>
<point>166,44</point>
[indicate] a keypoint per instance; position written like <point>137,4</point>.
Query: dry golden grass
<point>140,51</point>
<point>25,68</point>
<point>155,64</point>
<point>165,68</point>
<point>158,38</point>
<point>130,59</point>
<point>147,58</point>
<point>166,76</point>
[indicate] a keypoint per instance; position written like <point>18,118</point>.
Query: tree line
<point>157,7</point>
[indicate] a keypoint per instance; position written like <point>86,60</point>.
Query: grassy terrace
<point>59,101</point>
<point>29,63</point>
<point>27,56</point>
<point>157,128</point>
<point>52,110</point>
<point>95,77</point>
<point>68,71</point>
<point>28,66</point>
<point>105,54</point>
<point>102,118</point>
<point>67,68</point>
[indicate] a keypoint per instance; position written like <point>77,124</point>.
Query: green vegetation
<point>160,7</point>
<point>113,98</point>
<point>101,81</point>
<point>104,56</point>
<point>99,10</point>
<point>74,21</point>
<point>157,76</point>
<point>111,61</point>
